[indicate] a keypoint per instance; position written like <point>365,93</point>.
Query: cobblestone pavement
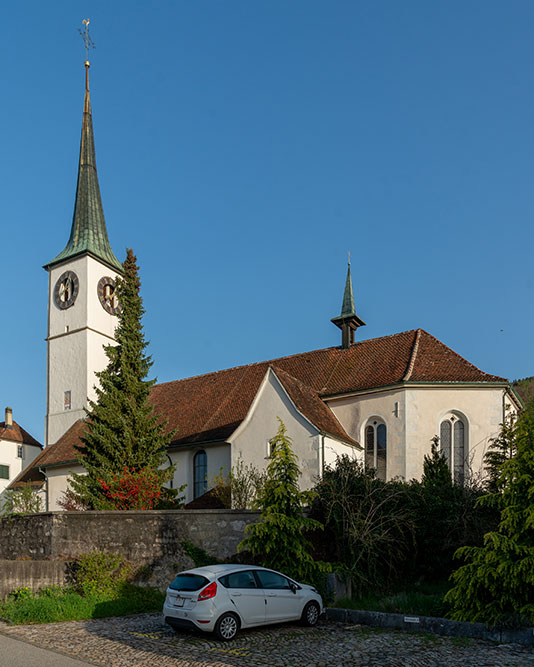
<point>145,640</point>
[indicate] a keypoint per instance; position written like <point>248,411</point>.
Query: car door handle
<point>235,595</point>
<point>271,595</point>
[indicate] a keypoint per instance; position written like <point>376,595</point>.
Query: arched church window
<point>376,447</point>
<point>453,446</point>
<point>200,473</point>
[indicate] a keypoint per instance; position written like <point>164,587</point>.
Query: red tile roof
<point>210,407</point>
<point>17,434</point>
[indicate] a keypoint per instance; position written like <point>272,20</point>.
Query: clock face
<point>66,290</point>
<point>107,296</point>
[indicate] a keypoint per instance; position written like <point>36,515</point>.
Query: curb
<point>438,626</point>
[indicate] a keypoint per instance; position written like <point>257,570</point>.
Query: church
<point>380,401</point>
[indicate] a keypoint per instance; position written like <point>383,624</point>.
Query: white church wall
<point>76,340</point>
<point>96,361</point>
<point>333,449</point>
<point>481,409</point>
<point>250,442</point>
<point>57,483</point>
<point>355,412</point>
<point>413,416</point>
<point>218,459</point>
<point>67,358</point>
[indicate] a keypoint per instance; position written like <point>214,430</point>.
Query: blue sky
<point>244,147</point>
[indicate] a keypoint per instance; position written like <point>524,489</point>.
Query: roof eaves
<point>68,258</point>
<point>202,443</point>
<point>58,464</point>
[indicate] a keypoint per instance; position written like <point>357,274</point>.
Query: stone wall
<point>147,538</point>
<point>33,574</point>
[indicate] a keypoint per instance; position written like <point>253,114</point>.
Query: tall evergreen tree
<point>436,471</point>
<point>278,540</point>
<point>122,429</point>
<point>496,583</point>
<point>501,449</point>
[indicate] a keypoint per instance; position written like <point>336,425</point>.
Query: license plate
<point>179,602</point>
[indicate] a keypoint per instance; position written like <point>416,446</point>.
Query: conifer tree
<point>436,471</point>
<point>501,449</point>
<point>278,540</point>
<point>123,432</point>
<point>496,583</point>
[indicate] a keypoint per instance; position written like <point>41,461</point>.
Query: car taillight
<point>209,592</point>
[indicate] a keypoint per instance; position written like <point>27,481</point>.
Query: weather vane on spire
<point>86,38</point>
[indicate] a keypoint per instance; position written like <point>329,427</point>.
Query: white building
<point>379,400</point>
<point>18,449</point>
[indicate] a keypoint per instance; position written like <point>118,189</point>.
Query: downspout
<point>322,455</point>
<point>47,504</point>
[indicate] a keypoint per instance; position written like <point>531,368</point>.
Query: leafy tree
<point>496,583</point>
<point>278,540</point>
<point>240,487</point>
<point>22,500</point>
<point>122,429</point>
<point>369,530</point>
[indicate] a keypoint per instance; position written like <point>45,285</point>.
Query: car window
<point>188,582</point>
<point>272,580</point>
<point>239,580</point>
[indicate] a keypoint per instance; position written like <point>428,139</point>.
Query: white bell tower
<point>82,308</point>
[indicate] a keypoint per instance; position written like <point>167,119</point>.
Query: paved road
<point>132,641</point>
<point>16,653</point>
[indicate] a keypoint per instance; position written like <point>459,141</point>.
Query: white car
<point>224,598</point>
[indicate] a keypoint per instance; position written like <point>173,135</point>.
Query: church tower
<point>82,309</point>
<point>348,321</point>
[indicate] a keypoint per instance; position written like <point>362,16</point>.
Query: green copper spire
<point>348,321</point>
<point>88,233</point>
<point>347,308</point>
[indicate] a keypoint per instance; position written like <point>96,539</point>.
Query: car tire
<point>310,614</point>
<point>226,627</point>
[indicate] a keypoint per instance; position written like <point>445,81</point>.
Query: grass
<point>72,606</point>
<point>420,600</point>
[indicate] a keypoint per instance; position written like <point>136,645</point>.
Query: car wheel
<point>310,615</point>
<point>226,627</point>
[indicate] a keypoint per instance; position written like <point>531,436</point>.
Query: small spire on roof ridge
<point>348,321</point>
<point>347,307</point>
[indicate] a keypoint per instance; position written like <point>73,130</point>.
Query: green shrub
<point>99,573</point>
<point>51,592</point>
<point>22,593</point>
<point>22,500</point>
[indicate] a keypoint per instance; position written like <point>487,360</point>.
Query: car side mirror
<point>293,588</point>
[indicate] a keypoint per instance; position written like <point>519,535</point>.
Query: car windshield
<point>188,582</point>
